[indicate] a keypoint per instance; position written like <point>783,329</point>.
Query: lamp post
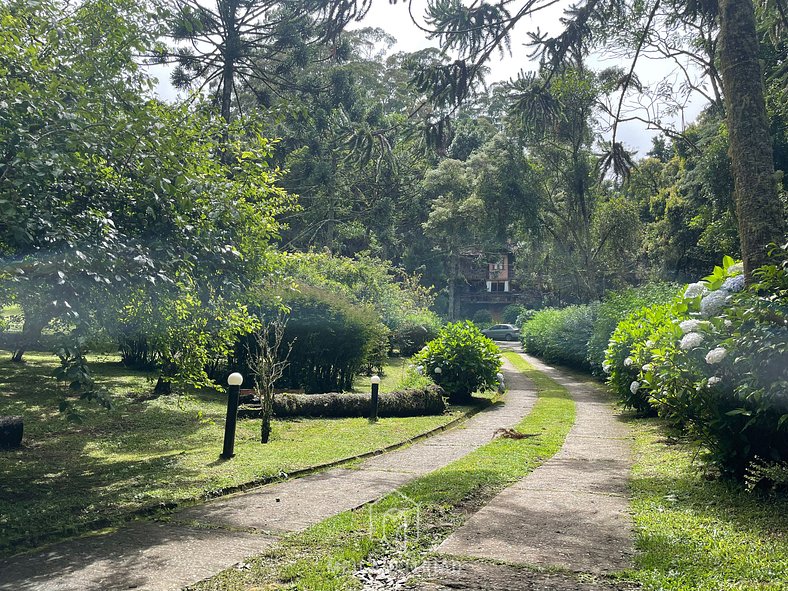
<point>438,371</point>
<point>234,381</point>
<point>373,406</point>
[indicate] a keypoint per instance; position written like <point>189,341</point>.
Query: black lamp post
<point>234,381</point>
<point>373,410</point>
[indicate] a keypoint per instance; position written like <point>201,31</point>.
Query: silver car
<point>502,332</point>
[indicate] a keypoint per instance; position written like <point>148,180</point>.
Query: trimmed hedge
<point>412,402</point>
<point>560,335</point>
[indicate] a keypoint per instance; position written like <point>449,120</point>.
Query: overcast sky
<point>395,20</point>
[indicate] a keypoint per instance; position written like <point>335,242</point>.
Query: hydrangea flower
<point>713,381</point>
<point>647,367</point>
<point>736,268</point>
<point>733,284</point>
<point>606,367</point>
<point>634,387</point>
<point>696,289</point>
<point>649,343</point>
<point>628,362</point>
<point>716,355</point>
<point>690,325</point>
<point>420,370</point>
<point>712,304</point>
<point>691,340</point>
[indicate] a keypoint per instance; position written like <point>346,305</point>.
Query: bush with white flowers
<point>714,363</point>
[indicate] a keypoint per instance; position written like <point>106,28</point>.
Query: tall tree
<point>477,31</point>
<point>251,43</point>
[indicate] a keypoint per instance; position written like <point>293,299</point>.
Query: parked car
<point>502,332</point>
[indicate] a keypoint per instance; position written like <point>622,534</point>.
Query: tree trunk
<point>760,213</point>
<point>31,332</point>
<point>163,387</point>
<point>453,274</point>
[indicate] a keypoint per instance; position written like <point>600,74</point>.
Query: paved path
<point>572,512</point>
<point>206,539</point>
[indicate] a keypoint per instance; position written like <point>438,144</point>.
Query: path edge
<point>96,526</point>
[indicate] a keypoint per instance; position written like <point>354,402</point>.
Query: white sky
<point>395,20</point>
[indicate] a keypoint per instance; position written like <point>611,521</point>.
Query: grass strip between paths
<point>696,534</point>
<point>405,525</point>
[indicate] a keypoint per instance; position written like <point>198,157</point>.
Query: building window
<point>496,286</point>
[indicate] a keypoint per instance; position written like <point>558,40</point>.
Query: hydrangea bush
<point>714,363</point>
<point>467,361</point>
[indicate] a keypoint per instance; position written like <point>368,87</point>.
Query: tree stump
<point>10,432</point>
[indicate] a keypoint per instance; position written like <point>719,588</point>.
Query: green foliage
<point>415,332</point>
<point>332,339</point>
<point>512,313</point>
<point>617,305</point>
<point>483,318</point>
<point>632,341</point>
<point>468,360</point>
<point>402,304</point>
<point>560,335</point>
<point>118,217</point>
<point>714,363</point>
<point>412,402</point>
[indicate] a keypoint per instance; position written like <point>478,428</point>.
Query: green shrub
<point>413,402</point>
<point>714,363</point>
<point>415,331</point>
<point>332,340</point>
<point>615,307</point>
<point>468,361</point>
<point>483,318</point>
<point>511,313</point>
<point>560,335</point>
<point>629,350</point>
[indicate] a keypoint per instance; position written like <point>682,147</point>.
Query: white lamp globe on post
<point>234,381</point>
<point>373,403</point>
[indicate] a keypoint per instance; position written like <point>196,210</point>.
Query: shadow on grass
<point>68,475</point>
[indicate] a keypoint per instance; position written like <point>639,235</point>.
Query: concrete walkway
<point>572,512</point>
<point>203,540</point>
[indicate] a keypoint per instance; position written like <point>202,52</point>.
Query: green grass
<point>695,534</point>
<point>395,372</point>
<point>145,453</point>
<point>325,556</point>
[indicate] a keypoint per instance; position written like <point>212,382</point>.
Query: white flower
<point>649,343</point>
<point>606,367</point>
<point>420,370</point>
<point>628,361</point>
<point>733,284</point>
<point>691,340</point>
<point>716,355</point>
<point>727,323</point>
<point>634,387</point>
<point>713,381</point>
<point>690,325</point>
<point>696,289</point>
<point>736,268</point>
<point>647,367</point>
<point>713,303</point>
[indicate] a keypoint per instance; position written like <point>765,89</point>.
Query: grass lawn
<point>700,535</point>
<point>146,453</point>
<point>408,523</point>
